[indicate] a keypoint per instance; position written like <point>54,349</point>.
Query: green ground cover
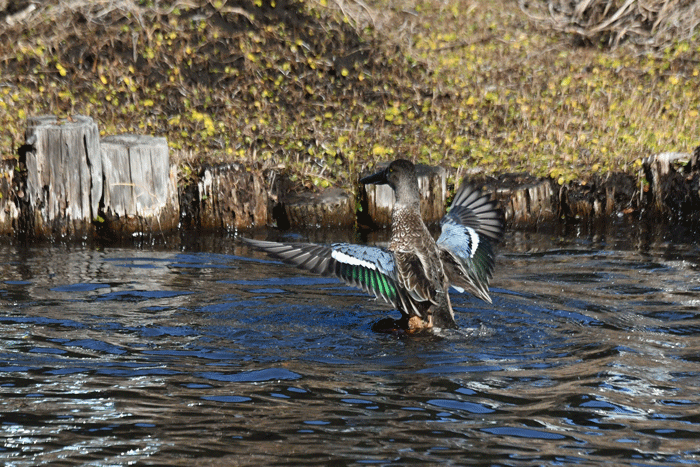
<point>322,90</point>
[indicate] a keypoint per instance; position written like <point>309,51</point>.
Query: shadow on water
<point>212,354</point>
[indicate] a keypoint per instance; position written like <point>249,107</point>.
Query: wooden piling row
<point>69,183</point>
<point>75,185</point>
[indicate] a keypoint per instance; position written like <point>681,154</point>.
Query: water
<point>210,354</point>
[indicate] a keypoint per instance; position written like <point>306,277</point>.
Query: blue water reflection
<point>214,354</point>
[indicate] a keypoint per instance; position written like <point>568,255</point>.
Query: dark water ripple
<point>213,355</point>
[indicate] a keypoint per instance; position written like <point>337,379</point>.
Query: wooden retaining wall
<point>69,183</point>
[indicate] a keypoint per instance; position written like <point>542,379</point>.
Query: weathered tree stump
<point>332,207</point>
<point>674,185</point>
<point>232,197</point>
<point>140,186</point>
<point>525,200</point>
<point>432,184</point>
<point>64,174</point>
<point>8,209</point>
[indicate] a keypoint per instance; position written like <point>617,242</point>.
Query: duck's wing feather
<point>467,259</point>
<point>472,208</point>
<point>370,268</point>
<point>469,230</point>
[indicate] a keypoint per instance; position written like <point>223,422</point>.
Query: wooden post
<point>232,197</point>
<point>526,200</point>
<point>674,179</point>
<point>8,208</point>
<point>64,175</point>
<point>660,168</point>
<point>333,207</point>
<point>140,187</point>
<point>432,184</point>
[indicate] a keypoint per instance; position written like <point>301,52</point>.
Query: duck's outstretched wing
<point>370,268</point>
<point>472,208</point>
<point>469,230</point>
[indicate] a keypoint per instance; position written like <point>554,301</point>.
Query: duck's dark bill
<point>375,179</point>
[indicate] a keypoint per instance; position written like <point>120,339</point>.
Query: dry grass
<point>652,24</point>
<point>326,88</point>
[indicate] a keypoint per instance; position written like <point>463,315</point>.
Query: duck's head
<point>398,173</point>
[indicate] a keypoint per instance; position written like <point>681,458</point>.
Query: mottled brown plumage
<point>418,265</point>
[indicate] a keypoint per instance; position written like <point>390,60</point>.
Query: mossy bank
<point>320,91</point>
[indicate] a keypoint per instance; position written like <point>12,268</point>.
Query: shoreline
<point>233,196</point>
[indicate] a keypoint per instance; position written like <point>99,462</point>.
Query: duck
<point>415,272</point>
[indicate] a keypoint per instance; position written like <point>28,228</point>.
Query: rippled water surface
<point>210,354</point>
